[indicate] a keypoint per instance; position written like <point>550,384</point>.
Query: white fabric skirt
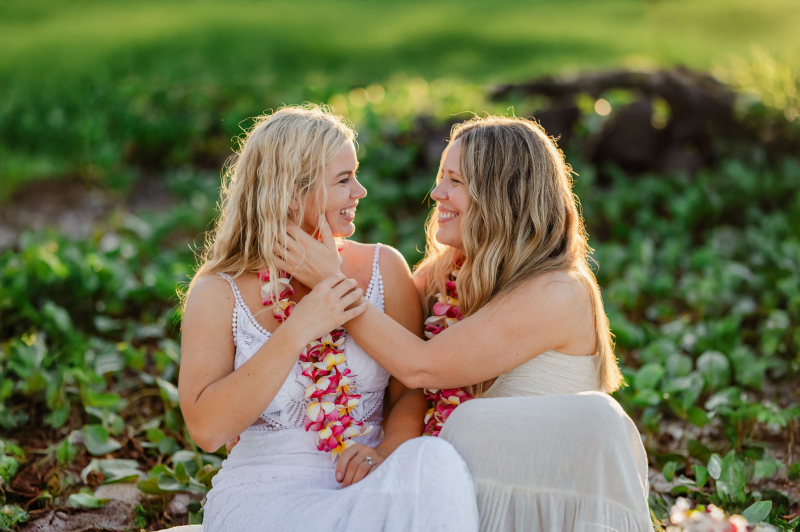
<point>553,463</point>
<point>279,481</point>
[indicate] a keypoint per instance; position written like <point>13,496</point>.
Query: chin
<point>343,232</point>
<point>446,240</point>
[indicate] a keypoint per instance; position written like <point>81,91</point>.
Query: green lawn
<point>358,42</point>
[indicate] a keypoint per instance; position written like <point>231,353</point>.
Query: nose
<point>439,193</point>
<point>357,191</point>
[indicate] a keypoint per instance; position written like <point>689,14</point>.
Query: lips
<point>445,215</point>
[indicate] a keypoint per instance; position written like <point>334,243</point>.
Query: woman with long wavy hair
<point>520,356</point>
<point>264,356</point>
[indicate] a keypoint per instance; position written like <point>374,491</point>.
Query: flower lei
<point>682,518</point>
<point>331,400</point>
<point>445,314</point>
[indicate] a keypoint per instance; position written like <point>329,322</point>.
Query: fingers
<point>325,233</point>
<point>332,281</point>
<point>344,287</point>
<point>352,297</point>
<point>362,471</point>
<point>355,311</point>
<point>352,468</point>
<point>231,444</point>
<point>344,460</point>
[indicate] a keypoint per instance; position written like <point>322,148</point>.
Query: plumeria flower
<point>283,288</point>
<point>283,310</point>
<point>346,385</point>
<point>317,414</point>
<point>331,359</point>
<point>324,386</point>
<point>311,371</point>
<point>341,445</point>
<point>327,344</point>
<point>346,408</point>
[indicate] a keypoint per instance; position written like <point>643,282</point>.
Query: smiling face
<point>343,192</point>
<point>452,198</point>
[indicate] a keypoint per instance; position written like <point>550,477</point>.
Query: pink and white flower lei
<point>331,400</point>
<point>682,518</point>
<point>445,314</point>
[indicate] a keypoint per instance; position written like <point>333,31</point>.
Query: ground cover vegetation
<point>700,271</point>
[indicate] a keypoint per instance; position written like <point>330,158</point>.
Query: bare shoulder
<point>209,292</point>
<point>355,250</point>
<point>556,293</point>
<point>393,263</point>
<point>390,260</point>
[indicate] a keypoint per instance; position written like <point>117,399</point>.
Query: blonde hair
<point>281,159</point>
<point>522,221</point>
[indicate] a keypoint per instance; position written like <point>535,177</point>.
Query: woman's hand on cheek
<point>353,465</point>
<point>305,258</point>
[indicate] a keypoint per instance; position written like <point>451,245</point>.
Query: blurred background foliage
<point>115,121</point>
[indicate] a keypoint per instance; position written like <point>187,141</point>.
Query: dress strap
<point>376,281</point>
<point>238,301</point>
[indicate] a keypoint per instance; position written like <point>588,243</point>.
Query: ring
<point>368,459</point>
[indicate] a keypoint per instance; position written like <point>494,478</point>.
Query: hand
<point>231,444</point>
<point>326,307</point>
<point>353,465</point>
<point>305,258</point>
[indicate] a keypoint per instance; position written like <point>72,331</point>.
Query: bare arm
<point>546,313</point>
<point>406,407</point>
<point>219,403</point>
<point>499,337</point>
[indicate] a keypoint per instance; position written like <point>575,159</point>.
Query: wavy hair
<point>522,221</point>
<point>281,158</point>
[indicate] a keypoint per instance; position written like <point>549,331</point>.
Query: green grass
<point>358,42</point>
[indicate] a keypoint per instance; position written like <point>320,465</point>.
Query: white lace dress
<point>276,479</point>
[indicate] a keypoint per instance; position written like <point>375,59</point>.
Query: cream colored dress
<point>550,453</point>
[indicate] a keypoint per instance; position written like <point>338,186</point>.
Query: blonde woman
<point>517,323</point>
<point>264,356</point>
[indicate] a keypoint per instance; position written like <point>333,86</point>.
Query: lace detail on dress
<point>287,409</point>
<point>376,281</point>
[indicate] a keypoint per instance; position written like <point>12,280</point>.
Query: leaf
<point>765,468</point>
<point>85,500</point>
<point>119,470</point>
<point>97,441</point>
<point>794,471</point>
<point>669,471</point>
<point>698,450</point>
<point>715,466</point>
<point>697,417</point>
<point>715,369</point>
<point>648,376</point>
<point>105,324</point>
<point>700,475</point>
<point>757,512</point>
<point>167,445</point>
<point>679,365</point>
<point>206,473</point>
<point>646,397</point>
<point>150,487</point>
<point>8,468</point>
<point>109,363</point>
<point>100,400</point>
<point>11,515</point>
<point>58,315</point>
<point>180,473</point>
<point>169,392</point>
<point>169,482</point>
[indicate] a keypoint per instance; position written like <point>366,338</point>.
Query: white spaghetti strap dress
<point>548,454</point>
<point>276,479</point>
